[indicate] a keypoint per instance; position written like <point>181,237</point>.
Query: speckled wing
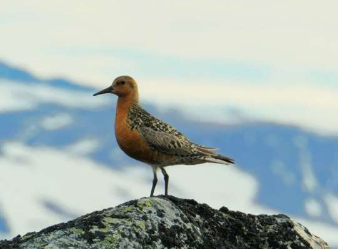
<point>167,142</point>
<point>179,145</point>
<point>166,139</point>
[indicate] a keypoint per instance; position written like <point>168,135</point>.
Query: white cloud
<point>284,34</point>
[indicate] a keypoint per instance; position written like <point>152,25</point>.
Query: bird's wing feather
<point>167,142</point>
<point>166,139</point>
<point>179,145</point>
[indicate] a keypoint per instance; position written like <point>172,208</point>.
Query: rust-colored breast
<point>132,142</point>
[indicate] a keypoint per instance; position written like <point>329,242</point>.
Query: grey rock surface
<point>170,222</point>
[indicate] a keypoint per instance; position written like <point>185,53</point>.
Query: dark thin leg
<point>166,180</point>
<point>154,182</point>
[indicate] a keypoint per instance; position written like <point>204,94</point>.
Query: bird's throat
<point>124,104</point>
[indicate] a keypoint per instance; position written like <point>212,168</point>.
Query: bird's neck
<point>124,103</point>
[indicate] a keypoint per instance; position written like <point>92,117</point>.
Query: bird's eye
<point>122,82</point>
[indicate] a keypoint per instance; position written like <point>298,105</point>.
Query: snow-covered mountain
<point>59,159</point>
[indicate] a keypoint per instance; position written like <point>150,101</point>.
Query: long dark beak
<point>107,90</point>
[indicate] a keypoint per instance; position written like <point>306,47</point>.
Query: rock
<point>170,222</point>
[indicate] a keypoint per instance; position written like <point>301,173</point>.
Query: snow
<point>332,205</point>
<point>34,175</point>
<point>57,121</point>
<point>309,179</point>
<point>79,185</point>
<point>281,170</point>
<point>313,207</point>
<point>229,102</point>
<point>216,185</point>
<point>16,96</point>
<point>84,146</point>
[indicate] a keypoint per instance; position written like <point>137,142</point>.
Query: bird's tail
<point>212,157</point>
<point>220,159</point>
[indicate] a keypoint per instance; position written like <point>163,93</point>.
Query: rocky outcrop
<point>170,222</point>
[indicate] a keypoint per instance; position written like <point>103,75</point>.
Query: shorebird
<point>150,140</point>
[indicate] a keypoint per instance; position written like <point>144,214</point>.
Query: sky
<point>267,60</point>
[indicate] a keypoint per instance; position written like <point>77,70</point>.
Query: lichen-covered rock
<point>170,222</point>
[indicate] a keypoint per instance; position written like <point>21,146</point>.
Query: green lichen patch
<point>77,231</point>
<point>109,220</point>
<point>128,209</point>
<point>140,224</point>
<point>144,203</point>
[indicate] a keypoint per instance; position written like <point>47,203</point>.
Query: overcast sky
<point>270,60</point>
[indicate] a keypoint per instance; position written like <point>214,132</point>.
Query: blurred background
<point>257,79</point>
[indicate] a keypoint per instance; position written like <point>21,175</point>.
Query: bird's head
<point>122,86</point>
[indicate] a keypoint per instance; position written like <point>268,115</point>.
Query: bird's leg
<point>154,182</point>
<point>166,180</point>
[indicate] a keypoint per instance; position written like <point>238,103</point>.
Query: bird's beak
<point>107,90</point>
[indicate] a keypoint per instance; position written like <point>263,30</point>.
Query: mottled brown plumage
<point>148,139</point>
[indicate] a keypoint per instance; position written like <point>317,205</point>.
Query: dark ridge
<point>13,73</point>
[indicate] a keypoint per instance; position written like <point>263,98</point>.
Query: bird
<point>149,140</point>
